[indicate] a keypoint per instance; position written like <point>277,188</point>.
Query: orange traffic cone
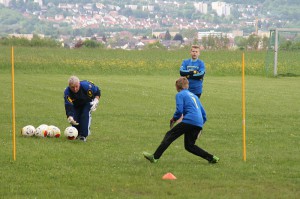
<point>169,176</point>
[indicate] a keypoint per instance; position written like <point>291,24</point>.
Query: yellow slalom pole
<point>13,103</point>
<point>243,107</point>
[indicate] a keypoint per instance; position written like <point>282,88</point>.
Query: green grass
<point>120,62</point>
<point>132,117</point>
<point>136,105</point>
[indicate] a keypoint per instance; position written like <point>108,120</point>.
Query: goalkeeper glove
<point>94,104</point>
<point>191,72</point>
<point>72,121</point>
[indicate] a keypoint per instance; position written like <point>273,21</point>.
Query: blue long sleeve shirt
<point>195,80</point>
<point>190,106</point>
<point>86,94</point>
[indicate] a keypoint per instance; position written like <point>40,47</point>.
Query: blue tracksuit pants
<point>84,117</point>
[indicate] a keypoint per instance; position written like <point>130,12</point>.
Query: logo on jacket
<point>90,93</point>
<point>192,68</point>
<point>70,99</point>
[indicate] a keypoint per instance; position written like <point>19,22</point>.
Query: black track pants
<point>191,133</point>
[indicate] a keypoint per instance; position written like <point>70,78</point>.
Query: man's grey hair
<point>73,80</point>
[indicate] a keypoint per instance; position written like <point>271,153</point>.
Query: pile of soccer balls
<point>45,130</point>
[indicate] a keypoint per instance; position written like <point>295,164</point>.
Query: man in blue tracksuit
<point>194,69</point>
<point>194,117</point>
<point>81,97</point>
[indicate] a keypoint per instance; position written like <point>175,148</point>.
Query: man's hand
<point>172,122</point>
<point>72,121</point>
<point>94,104</point>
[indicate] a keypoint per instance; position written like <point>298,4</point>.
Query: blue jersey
<point>86,94</point>
<point>195,80</point>
<point>190,106</point>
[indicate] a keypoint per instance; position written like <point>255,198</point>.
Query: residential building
<point>221,8</point>
<point>201,7</point>
<point>5,2</point>
<point>211,33</point>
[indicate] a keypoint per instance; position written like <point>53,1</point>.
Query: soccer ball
<point>71,133</point>
<point>42,130</point>
<point>28,131</point>
<point>53,131</point>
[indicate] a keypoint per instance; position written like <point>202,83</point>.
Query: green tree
<point>168,35</point>
<point>240,42</point>
<point>104,39</point>
<point>204,42</point>
<point>195,41</point>
<point>178,37</point>
<point>286,45</point>
<point>36,41</point>
<point>91,44</point>
<point>89,32</point>
<point>126,12</point>
<point>225,42</point>
<point>253,41</point>
<point>155,45</point>
<point>43,42</point>
<point>265,42</point>
<point>189,33</point>
<point>187,11</point>
<point>211,42</point>
<point>140,14</point>
<point>295,46</point>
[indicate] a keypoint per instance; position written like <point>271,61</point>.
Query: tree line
<point>253,42</point>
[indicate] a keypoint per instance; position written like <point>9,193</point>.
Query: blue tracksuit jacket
<point>78,105</point>
<point>195,80</point>
<point>190,106</point>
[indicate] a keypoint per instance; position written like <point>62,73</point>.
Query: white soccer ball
<point>42,130</point>
<point>28,131</point>
<point>53,131</point>
<point>71,133</point>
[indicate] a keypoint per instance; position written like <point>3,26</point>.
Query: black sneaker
<point>82,138</point>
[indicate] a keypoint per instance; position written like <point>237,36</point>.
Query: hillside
<point>65,17</point>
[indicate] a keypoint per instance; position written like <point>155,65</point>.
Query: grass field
<point>133,117</point>
<point>120,62</point>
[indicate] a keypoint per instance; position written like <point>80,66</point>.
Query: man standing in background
<point>194,69</point>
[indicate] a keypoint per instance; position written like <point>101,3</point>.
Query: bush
<point>36,41</point>
<point>92,44</point>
